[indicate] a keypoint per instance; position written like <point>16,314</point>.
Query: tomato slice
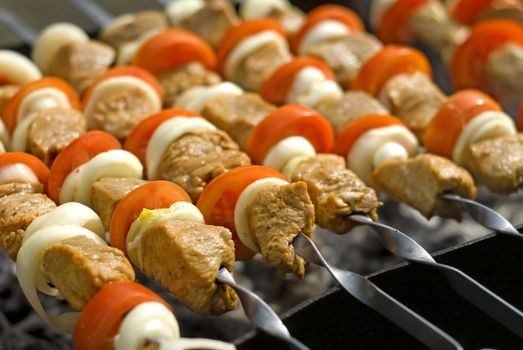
<point>151,195</point>
<point>276,88</point>
<point>100,319</point>
<point>395,23</point>
<point>78,152</point>
<point>360,126</point>
<point>453,115</point>
<point>289,120</point>
<point>138,139</point>
<point>36,165</point>
<point>122,71</point>
<point>218,200</point>
<point>241,31</point>
<point>468,62</point>
<point>519,118</point>
<point>172,48</point>
<point>324,13</point>
<point>466,11</point>
<point>390,61</point>
<point>11,108</point>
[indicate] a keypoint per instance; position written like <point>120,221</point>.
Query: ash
<point>359,251</point>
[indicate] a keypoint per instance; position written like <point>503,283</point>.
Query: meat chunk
<point>290,17</point>
<point>107,192</point>
<point>212,21</point>
<point>503,9</point>
<point>175,82</point>
<point>497,163</point>
<point>8,189</point>
<point>336,192</point>
<point>52,130</point>
<point>17,211</point>
<point>120,112</point>
<point>79,267</point>
<point>6,92</point>
<point>419,181</point>
<point>345,55</point>
<point>276,216</point>
<point>351,106</point>
<point>237,115</point>
<point>257,67</point>
<point>193,160</point>
<point>185,258</point>
<point>504,69</point>
<point>413,98</point>
<point>81,63</point>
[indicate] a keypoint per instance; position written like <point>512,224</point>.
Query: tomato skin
<point>467,67</point>
<point>36,165</point>
<point>78,152</point>
<point>122,71</point>
<point>395,24</point>
<point>219,198</point>
<point>172,48</point>
<point>327,12</point>
<point>289,120</point>
<point>276,88</point>
<point>355,129</point>
<point>390,61</point>
<point>101,317</point>
<point>138,139</point>
<point>451,118</point>
<point>151,195</point>
<point>11,108</point>
<point>466,11</point>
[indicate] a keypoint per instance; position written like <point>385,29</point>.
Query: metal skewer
<point>405,247</point>
<point>19,27</point>
<point>259,312</point>
<point>93,11</point>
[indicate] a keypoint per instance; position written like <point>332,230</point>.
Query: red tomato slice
<point>395,23</point>
<point>78,152</point>
<point>218,200</point>
<point>468,62</point>
<point>324,13</point>
<point>460,108</point>
<point>276,88</point>
<point>11,108</point>
<point>138,139</point>
<point>36,165</point>
<point>172,48</point>
<point>100,319</point>
<point>390,61</point>
<point>151,195</point>
<point>359,127</point>
<point>121,71</point>
<point>466,11</point>
<point>241,31</point>
<point>289,120</point>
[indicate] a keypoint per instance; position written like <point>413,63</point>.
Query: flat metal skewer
<point>19,27</point>
<point>405,247</point>
<point>96,13</point>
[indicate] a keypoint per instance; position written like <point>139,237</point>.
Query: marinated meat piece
<point>346,55</point>
<point>185,258</point>
<point>497,163</point>
<point>257,67</point>
<point>119,113</point>
<point>81,63</point>
<point>193,160</point>
<point>183,78</point>
<point>17,211</point>
<point>351,106</point>
<point>6,92</point>
<point>419,181</point>
<point>291,18</point>
<point>133,27</point>
<point>212,21</point>
<point>504,69</point>
<point>503,9</point>
<point>237,115</point>
<point>413,98</point>
<point>107,192</point>
<point>79,267</point>
<point>336,192</point>
<point>52,130</point>
<point>276,216</point>
<point>8,189</point>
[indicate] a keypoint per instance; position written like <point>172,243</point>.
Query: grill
<point>316,312</point>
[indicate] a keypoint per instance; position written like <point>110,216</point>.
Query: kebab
<point>468,12</point>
